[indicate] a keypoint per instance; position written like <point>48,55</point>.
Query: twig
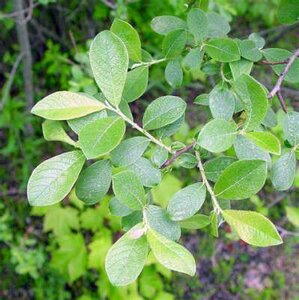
<point>281,101</point>
<point>109,4</point>
<point>264,62</point>
<point>169,161</point>
<point>15,14</point>
<point>286,232</point>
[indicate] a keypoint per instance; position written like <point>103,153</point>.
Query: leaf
<point>293,215</point>
<point>240,67</point>
<point>129,36</point>
<point>109,63</point>
<point>214,224</point>
<point>77,124</point>
<point>149,175</point>
<point>265,140</point>
<point>276,55</point>
<point>54,131</point>
<point>136,84</point>
<point>126,258</point>
<point>214,167</point>
<point>288,11</point>
<point>252,227</point>
<point>101,136</point>
<point>241,179</point>
<point>170,254</point>
<point>222,103</point>
<point>193,59</point>
<point>129,190</point>
<point>223,49</point>
<point>187,160</point>
<point>129,151</point>
<point>254,98</point>
<point>118,209</point>
<point>160,155</point>
<point>163,111</point>
<point>217,25</point>
<point>270,119</point>
<point>170,129</point>
<point>197,22</point>
<point>258,40</point>
<point>174,43</point>
<point>129,221</point>
<point>249,50</point>
<point>283,171</point>
<point>290,127</point>
<point>197,221</point>
<point>54,178</point>
<point>66,105</point>
<point>186,202</point>
<point>174,73</point>
<point>217,136</point>
<point>159,220</point>
<point>94,182</point>
<point>165,24</point>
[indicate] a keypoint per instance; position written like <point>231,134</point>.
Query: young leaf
<point>223,49</point>
<point>129,36</point>
<point>94,182</point>
<point>193,59</point>
<point>258,40</point>
<point>129,151</point>
<point>283,171</point>
<point>265,140</point>
<point>118,209</point>
<point>101,136</point>
<point>160,155</point>
<point>54,178</point>
<point>240,67</point>
<point>249,50</point>
<point>254,98</point>
<point>174,73</point>
<point>136,84</point>
<point>186,202</point>
<point>218,135</point>
<point>159,220</point>
<point>197,23</point>
<point>109,63</point>
<point>222,103</point>
<point>217,25</point>
<point>163,111</point>
<point>165,24</point>
<point>126,258</point>
<point>291,127</point>
<point>54,131</point>
<point>253,228</point>
<point>241,179</point>
<point>129,190</point>
<point>174,43</point>
<point>197,221</point>
<point>170,254</point>
<point>66,105</point>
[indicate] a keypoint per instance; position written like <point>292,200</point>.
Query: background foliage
<point>63,247</point>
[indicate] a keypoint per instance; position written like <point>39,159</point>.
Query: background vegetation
<point>58,252</point>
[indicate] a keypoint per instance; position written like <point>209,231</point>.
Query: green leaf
<point>165,24</point>
<point>170,129</point>
<point>253,228</point>
<point>118,209</point>
<point>193,59</point>
<point>217,136</point>
<point>217,25</point>
<point>54,178</point>
<point>240,67</point>
<point>197,221</point>
<point>77,124</point>
<point>126,258</point>
<point>214,167</point>
<point>129,36</point>
<point>288,11</point>
<point>163,111</point>
<point>241,179</point>
<point>265,140</point>
<point>159,220</point>
<point>293,215</point>
<point>186,202</point>
<point>174,73</point>
<point>197,22</point>
<point>222,103</point>
<point>249,50</point>
<point>129,190</point>
<point>170,254</point>
<point>258,40</point>
<point>94,182</point>
<point>187,160</point>
<point>160,155</point>
<point>254,98</point>
<point>277,55</point>
<point>136,84</point>
<point>109,63</point>
<point>270,119</point>
<point>129,151</point>
<point>129,221</point>
<point>283,171</point>
<point>66,105</point>
<point>101,136</point>
<point>174,43</point>
<point>147,173</point>
<point>291,127</point>
<point>223,49</point>
<point>54,131</point>
<point>214,224</point>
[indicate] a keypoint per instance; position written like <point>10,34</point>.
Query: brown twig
<point>285,232</point>
<point>282,102</point>
<point>169,161</point>
<point>264,62</point>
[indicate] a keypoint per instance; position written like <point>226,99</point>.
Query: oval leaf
<point>165,24</point>
<point>174,43</point>
<point>197,23</point>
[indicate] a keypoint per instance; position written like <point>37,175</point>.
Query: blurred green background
<point>58,252</point>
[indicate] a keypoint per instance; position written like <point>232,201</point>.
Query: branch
<point>169,161</point>
<point>285,232</point>
<point>269,63</point>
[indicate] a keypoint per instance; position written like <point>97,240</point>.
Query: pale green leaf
<point>193,59</point>
<point>170,129</point>
<point>174,43</point>
<point>293,215</point>
<point>291,127</point>
<point>165,24</point>
<point>118,209</point>
<point>258,40</point>
<point>160,155</point>
<point>197,221</point>
<point>174,73</point>
<point>129,221</point>
<point>249,50</point>
<point>197,22</point>
<point>240,67</point>
<point>217,25</point>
